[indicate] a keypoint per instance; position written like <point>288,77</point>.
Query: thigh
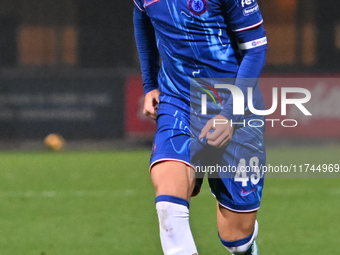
<point>173,178</point>
<point>172,138</point>
<point>170,167</point>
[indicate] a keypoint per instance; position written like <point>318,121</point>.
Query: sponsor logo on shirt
<point>253,44</point>
<point>247,2</point>
<point>251,10</point>
<point>198,7</point>
<point>259,42</point>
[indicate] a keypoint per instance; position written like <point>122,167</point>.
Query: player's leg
<point>239,191</point>
<point>174,185</point>
<point>173,178</point>
<point>237,230</point>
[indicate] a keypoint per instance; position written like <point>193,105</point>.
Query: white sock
<point>242,245</point>
<point>175,233</point>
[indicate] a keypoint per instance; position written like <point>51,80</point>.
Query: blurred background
<point>71,66</point>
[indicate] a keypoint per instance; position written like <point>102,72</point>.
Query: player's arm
<point>250,69</point>
<point>245,20</point>
<point>253,44</point>
<point>149,58</point>
<point>252,41</point>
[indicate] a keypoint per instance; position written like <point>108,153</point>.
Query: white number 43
<point>252,169</point>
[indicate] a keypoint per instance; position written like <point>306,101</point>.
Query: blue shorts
<point>229,170</point>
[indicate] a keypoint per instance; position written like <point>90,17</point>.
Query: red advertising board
<point>136,123</point>
<point>324,106</point>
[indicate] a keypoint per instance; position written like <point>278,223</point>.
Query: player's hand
<point>222,133</point>
<point>151,101</point>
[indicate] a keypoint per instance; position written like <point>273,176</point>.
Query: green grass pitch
<point>79,203</point>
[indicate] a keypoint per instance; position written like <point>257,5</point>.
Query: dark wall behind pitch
<point>81,104</point>
<point>105,33</point>
<point>104,30</point>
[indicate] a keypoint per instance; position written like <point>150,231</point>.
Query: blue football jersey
<point>196,39</point>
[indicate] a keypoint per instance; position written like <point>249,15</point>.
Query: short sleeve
<point>242,14</point>
<point>139,4</point>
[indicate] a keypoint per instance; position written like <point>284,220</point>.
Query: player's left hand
<point>222,133</point>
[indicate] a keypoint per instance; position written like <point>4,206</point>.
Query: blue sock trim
<point>236,243</point>
<point>172,199</point>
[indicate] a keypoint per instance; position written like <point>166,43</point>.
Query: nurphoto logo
<point>239,102</point>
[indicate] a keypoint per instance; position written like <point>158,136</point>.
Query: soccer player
<point>202,39</point>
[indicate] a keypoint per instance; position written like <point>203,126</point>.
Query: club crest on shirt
<point>198,7</point>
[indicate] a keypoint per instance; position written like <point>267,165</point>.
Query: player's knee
<point>239,247</point>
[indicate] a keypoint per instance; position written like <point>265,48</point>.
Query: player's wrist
<point>149,88</point>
